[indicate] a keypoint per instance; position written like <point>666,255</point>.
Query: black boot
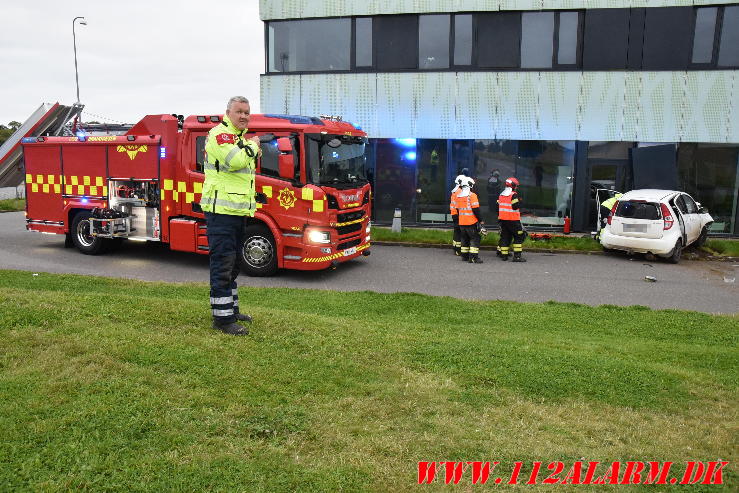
<point>232,328</point>
<point>503,257</point>
<point>518,258</point>
<point>498,254</point>
<point>465,257</point>
<point>457,251</point>
<point>475,259</point>
<point>242,317</point>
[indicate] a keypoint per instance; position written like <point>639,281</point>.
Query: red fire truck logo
<point>132,150</point>
<point>287,198</point>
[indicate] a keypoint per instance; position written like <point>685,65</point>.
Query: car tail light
<point>666,216</point>
<point>613,212</point>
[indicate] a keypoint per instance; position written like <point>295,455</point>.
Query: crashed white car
<point>661,222</point>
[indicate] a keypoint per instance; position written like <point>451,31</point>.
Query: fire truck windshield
<point>336,160</point>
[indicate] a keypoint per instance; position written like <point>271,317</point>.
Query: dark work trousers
<point>456,235</point>
<point>510,231</point>
<point>225,237</point>
<point>470,240</point>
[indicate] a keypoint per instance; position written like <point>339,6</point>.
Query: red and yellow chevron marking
<point>333,256</point>
<point>91,186</point>
<point>181,190</point>
<point>317,204</point>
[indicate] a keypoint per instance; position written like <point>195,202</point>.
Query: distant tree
<point>14,125</point>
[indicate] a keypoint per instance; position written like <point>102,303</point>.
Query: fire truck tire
<point>89,245</point>
<point>258,254</point>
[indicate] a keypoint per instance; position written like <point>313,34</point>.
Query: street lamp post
<point>74,41</point>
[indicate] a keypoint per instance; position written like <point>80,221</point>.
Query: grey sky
<point>135,57</point>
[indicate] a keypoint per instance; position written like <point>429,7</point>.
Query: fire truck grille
<point>349,216</point>
<point>349,244</point>
<point>345,230</point>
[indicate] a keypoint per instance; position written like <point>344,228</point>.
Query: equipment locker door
<point>44,183</point>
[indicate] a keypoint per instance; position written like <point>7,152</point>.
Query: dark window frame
<point>475,66</point>
<point>450,43</point>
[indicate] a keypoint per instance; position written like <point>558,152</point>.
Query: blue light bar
<point>410,155</point>
<point>28,140</point>
<point>162,152</point>
<point>406,142</point>
<point>85,200</point>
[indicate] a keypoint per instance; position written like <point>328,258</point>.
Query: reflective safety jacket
<point>506,204</point>
<point>229,172</point>
<point>452,202</point>
<point>464,206</point>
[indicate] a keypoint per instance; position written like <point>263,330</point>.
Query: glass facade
<point>710,173</point>
<point>311,45</point>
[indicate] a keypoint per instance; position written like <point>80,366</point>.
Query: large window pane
<point>498,40</point>
<point>606,39</point>
<point>667,33</point>
<point>729,51</point>
<point>705,29</point>
<point>708,172</point>
<point>433,41</point>
<point>363,51</point>
<point>567,52</point>
<point>396,41</point>
<point>433,195</point>
<point>395,179</point>
<point>537,39</point>
<point>312,45</point>
<point>463,39</point>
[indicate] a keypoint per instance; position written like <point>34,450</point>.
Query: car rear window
<point>638,210</point>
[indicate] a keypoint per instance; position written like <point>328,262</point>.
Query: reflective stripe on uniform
<point>225,300</point>
<point>223,313</point>
<point>517,247</point>
<point>245,171</point>
<point>246,206</point>
<point>465,249</point>
<point>229,157</point>
<point>474,250</point>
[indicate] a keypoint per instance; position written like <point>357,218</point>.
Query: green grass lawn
<point>13,205</point>
<point>121,385</point>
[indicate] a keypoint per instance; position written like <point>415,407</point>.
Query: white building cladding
<point>547,92</point>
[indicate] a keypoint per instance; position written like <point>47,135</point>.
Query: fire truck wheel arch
<point>259,252</point>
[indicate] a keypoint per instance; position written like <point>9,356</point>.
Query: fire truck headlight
<point>369,227</point>
<point>315,236</point>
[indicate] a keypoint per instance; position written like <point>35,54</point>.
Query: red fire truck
<point>313,197</point>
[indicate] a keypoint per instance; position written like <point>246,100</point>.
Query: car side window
<point>680,203</point>
<point>690,204</point>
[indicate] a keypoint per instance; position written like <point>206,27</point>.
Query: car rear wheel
<point>81,237</point>
<point>258,256</point>
<point>676,253</point>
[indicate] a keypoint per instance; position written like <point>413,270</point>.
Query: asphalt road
<point>588,279</point>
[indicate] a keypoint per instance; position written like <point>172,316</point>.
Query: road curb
<point>533,250</point>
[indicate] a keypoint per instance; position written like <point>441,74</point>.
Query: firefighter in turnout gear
<point>228,198</point>
<point>470,222</point>
<point>457,234</point>
<point>509,217</point>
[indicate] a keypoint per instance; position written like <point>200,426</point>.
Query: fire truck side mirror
<point>285,158</point>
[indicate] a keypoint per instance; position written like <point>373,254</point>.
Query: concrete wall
<point>18,192</point>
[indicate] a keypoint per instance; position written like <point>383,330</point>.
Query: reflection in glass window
<point>433,195</point>
<point>544,169</point>
<point>363,48</point>
<point>396,41</point>
<point>537,39</point>
<point>708,172</point>
<point>311,45</point>
<point>729,51</point>
<point>395,178</point>
<point>705,29</point>
<point>433,41</point>
<point>567,51</point>
<point>463,39</point>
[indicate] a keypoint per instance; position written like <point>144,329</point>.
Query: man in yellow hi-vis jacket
<point>228,196</point>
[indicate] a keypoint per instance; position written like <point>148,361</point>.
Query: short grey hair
<point>236,99</point>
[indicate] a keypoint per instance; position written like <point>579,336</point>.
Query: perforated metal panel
<point>558,103</point>
<point>518,109</point>
<point>477,104</point>
<point>658,102</point>
<point>435,97</point>
<point>600,106</point>
<point>395,114</point>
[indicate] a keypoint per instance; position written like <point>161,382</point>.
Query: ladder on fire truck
<point>48,119</point>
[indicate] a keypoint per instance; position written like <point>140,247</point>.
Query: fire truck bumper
<point>325,261</point>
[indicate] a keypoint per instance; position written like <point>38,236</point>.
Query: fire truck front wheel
<point>85,243</point>
<point>258,254</point>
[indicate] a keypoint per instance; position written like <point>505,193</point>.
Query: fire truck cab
<point>313,197</point>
